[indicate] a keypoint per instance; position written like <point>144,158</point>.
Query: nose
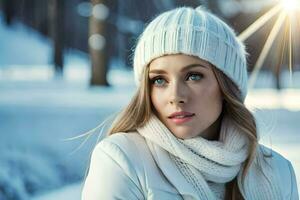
<point>178,94</point>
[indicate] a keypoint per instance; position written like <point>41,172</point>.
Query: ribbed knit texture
<point>193,32</point>
<point>208,165</point>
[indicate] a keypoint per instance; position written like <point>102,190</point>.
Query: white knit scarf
<point>208,165</point>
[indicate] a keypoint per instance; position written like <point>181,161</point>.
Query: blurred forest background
<point>108,29</point>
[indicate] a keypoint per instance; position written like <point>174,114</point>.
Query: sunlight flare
<point>266,48</point>
<point>290,50</point>
<point>290,5</point>
<point>259,23</point>
<point>287,11</point>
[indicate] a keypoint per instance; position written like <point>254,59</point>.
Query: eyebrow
<point>185,68</point>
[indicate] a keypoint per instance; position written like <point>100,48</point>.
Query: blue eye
<point>158,81</point>
<point>194,77</point>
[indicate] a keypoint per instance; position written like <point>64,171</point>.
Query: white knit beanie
<point>193,32</point>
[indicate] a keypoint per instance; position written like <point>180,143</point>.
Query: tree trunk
<point>97,48</point>
<point>56,19</point>
<point>8,7</point>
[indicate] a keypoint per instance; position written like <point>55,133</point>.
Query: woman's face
<point>186,95</point>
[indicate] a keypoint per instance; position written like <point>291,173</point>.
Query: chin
<point>183,137</point>
<point>183,134</point>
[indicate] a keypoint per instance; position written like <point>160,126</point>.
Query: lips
<point>181,117</point>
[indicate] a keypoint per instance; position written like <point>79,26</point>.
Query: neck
<point>213,131</point>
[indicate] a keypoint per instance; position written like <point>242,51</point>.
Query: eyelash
<point>195,73</point>
<point>152,80</point>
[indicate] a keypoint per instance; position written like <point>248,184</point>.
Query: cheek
<point>209,99</point>
<point>216,100</point>
<point>157,100</point>
<point>213,92</point>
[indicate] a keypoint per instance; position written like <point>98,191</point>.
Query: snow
<point>39,111</point>
<point>68,192</point>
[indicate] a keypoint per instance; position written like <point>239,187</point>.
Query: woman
<point>186,134</point>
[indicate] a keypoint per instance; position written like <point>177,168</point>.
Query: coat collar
<point>172,173</point>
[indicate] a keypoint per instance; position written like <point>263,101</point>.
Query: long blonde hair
<point>243,119</point>
<point>137,113</point>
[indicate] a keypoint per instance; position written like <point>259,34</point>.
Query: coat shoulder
<point>283,170</point>
<point>122,139</point>
<point>134,149</point>
<point>125,148</point>
<point>128,143</point>
<point>112,174</point>
<point>130,151</point>
<point>276,159</point>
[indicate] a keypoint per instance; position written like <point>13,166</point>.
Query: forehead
<point>177,61</point>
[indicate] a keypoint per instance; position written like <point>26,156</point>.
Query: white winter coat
<point>122,168</point>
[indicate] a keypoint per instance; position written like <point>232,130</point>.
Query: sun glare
<point>290,5</point>
<point>287,13</point>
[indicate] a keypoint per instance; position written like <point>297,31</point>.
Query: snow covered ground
<point>39,111</point>
<point>72,192</point>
